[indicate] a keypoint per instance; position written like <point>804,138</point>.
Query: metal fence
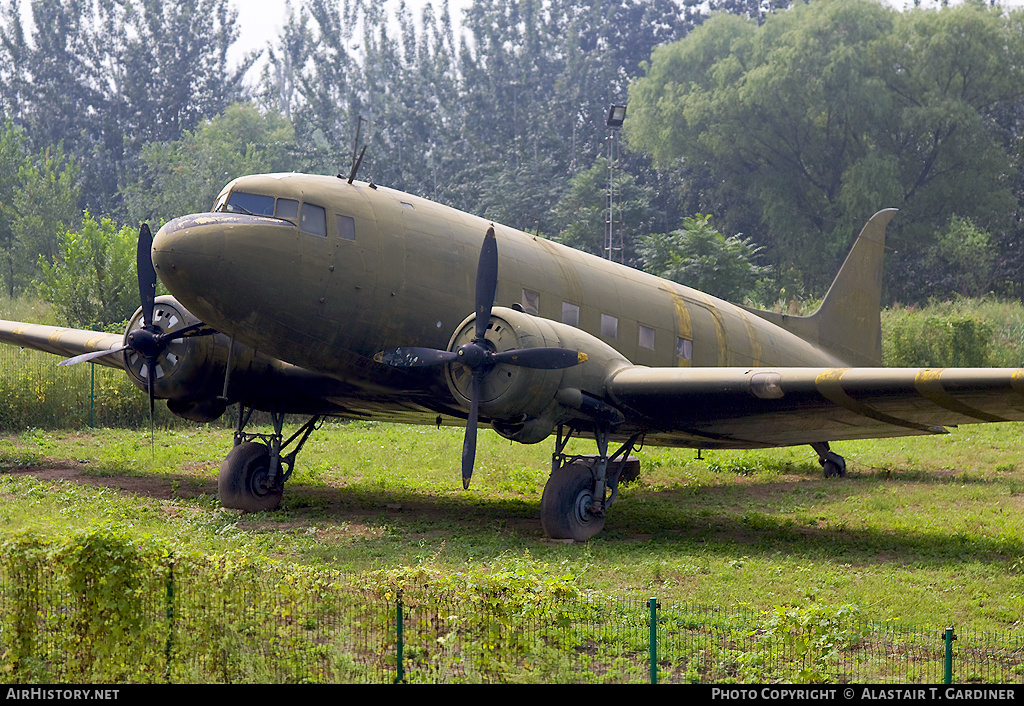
<point>86,613</point>
<point>35,393</point>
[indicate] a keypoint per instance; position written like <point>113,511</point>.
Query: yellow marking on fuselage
<point>756,352</point>
<point>720,332</point>
<point>684,327</point>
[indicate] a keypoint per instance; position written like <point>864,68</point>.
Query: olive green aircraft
<point>330,297</point>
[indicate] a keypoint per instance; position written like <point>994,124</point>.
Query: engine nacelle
<point>526,404</point>
<point>190,372</point>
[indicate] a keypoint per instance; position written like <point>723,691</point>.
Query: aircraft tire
<point>242,482</point>
<point>833,465</point>
<point>563,505</point>
<point>833,469</point>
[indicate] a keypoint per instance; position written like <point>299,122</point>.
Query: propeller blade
<point>90,356</point>
<point>196,329</point>
<point>146,273</point>
<point>412,357</point>
<point>469,442</point>
<point>486,283</point>
<point>150,377</point>
<point>540,358</point>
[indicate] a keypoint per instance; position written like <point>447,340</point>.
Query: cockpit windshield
<point>313,218</point>
<point>252,204</point>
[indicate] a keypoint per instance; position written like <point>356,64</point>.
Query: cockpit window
<point>253,204</point>
<point>288,208</point>
<point>314,220</point>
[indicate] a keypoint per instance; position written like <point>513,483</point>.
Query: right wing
<point>65,342</point>
<point>768,407</point>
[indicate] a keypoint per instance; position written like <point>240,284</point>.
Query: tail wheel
<point>244,481</point>
<point>564,507</point>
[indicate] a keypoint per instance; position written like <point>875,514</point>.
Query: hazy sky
<point>261,20</point>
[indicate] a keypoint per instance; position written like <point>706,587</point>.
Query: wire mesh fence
<point>103,609</point>
<point>35,393</point>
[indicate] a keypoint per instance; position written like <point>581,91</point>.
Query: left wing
<point>766,407</point>
<point>66,342</point>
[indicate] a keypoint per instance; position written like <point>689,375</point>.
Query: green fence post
<point>170,618</point>
<point>654,639</point>
<point>949,655</point>
<point>398,625</point>
<point>92,395</point>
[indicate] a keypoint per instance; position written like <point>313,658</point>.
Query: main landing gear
<point>582,488</point>
<point>253,474</point>
<point>832,464</point>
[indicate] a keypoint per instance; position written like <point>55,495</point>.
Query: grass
<point>924,531</point>
<point>927,531</point>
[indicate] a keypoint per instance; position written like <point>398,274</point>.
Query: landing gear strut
<point>253,474</point>
<point>832,464</point>
<point>576,496</point>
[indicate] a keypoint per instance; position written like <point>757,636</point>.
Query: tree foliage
<point>92,283</point>
<point>581,214</point>
<point>12,160</point>
<point>792,127</point>
<point>802,127</point>
<point>109,76</point>
<point>700,257</point>
<point>185,175</point>
<point>45,204</point>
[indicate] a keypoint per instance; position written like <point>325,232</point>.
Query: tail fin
<point>848,322</point>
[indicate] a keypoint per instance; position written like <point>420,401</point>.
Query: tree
<point>107,76</point>
<point>800,128</point>
<point>700,257</point>
<point>185,175</point>
<point>45,204</point>
<point>963,260</point>
<point>581,214</point>
<point>12,161</point>
<point>92,282</point>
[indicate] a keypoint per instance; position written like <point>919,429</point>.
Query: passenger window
<point>609,326</point>
<point>346,227</point>
<point>530,301</point>
<point>252,204</point>
<point>684,348</point>
<point>288,208</point>
<point>570,314</point>
<point>646,337</point>
<point>314,220</point>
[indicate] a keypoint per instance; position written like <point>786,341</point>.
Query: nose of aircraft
<point>187,251</point>
<point>209,261</point>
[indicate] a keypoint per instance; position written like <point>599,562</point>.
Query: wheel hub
<point>584,505</point>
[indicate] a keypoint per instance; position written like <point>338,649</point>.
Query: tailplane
<point>848,322</point>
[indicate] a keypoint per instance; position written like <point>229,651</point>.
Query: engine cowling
<point>526,404</point>
<point>190,372</point>
<point>188,369</point>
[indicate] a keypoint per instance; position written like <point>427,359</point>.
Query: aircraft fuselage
<point>335,272</point>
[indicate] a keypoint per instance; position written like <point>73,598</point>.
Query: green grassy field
<point>927,531</point>
<point>924,531</point>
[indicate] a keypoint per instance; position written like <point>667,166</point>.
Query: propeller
<point>477,355</point>
<point>149,341</point>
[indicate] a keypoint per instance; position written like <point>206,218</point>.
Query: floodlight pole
<point>613,244</point>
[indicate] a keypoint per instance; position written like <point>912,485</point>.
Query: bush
<point>923,340</point>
